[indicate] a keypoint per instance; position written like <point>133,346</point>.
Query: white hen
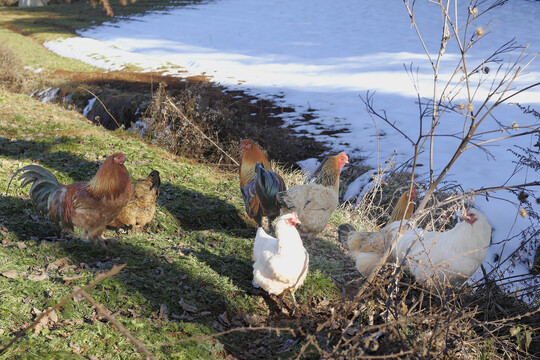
<point>432,257</point>
<point>280,264</point>
<point>446,257</point>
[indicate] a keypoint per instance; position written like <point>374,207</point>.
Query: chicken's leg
<point>295,311</point>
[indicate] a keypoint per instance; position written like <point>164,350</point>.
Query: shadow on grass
<point>195,284</point>
<point>193,210</point>
<point>204,272</point>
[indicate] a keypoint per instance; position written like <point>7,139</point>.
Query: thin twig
<point>115,270</point>
<point>107,314</point>
<point>102,104</point>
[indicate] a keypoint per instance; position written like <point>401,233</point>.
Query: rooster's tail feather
<point>156,180</point>
<point>285,200</point>
<point>267,185</point>
<point>46,193</point>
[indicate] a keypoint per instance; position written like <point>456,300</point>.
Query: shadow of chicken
<point>141,206</point>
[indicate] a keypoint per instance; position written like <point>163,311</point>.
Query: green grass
<point>194,259</point>
<point>62,20</point>
<point>24,30</point>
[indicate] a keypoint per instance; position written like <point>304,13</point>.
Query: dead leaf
<point>38,277</point>
<point>62,261</point>
<point>163,311</point>
<point>224,319</point>
<point>46,321</point>
<point>21,245</point>
<point>187,307</point>
<point>53,317</point>
<point>69,279</point>
<point>10,274</point>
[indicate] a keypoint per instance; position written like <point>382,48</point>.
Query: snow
<point>88,107</point>
<point>321,56</point>
<point>47,95</point>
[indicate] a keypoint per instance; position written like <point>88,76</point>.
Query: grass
<point>63,20</point>
<point>194,260</point>
<point>189,273</point>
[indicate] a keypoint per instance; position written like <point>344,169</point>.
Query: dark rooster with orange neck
<point>87,205</point>
<point>315,202</point>
<point>259,184</point>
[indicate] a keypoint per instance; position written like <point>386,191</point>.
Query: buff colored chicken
<point>315,202</point>
<point>366,248</point>
<point>141,207</point>
<point>280,264</point>
<point>87,205</point>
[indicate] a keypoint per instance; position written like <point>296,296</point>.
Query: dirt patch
<point>226,116</point>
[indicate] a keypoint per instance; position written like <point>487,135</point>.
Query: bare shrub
<point>225,119</point>
<point>8,2</point>
<point>391,316</point>
<point>206,111</point>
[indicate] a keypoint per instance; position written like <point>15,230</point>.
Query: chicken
<point>315,202</point>
<point>281,264</point>
<point>432,257</point>
<point>259,184</point>
<point>87,205</point>
<point>141,207</point>
<point>366,248</point>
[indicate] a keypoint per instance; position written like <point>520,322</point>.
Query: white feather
<point>279,263</point>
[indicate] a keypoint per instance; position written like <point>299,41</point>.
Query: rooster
<point>141,207</point>
<point>281,264</point>
<point>315,202</point>
<point>87,205</point>
<point>259,184</point>
<point>432,257</point>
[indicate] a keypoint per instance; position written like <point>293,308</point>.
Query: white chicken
<point>281,264</point>
<point>432,257</point>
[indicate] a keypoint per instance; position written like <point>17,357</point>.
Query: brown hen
<point>141,207</point>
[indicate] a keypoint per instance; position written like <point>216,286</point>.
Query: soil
<point>126,95</point>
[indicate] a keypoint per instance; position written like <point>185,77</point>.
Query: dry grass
<point>8,2</point>
<point>13,76</point>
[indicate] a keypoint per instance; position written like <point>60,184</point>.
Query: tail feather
<point>344,231</point>
<point>267,185</point>
<point>46,193</point>
<point>285,200</point>
<point>155,179</point>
